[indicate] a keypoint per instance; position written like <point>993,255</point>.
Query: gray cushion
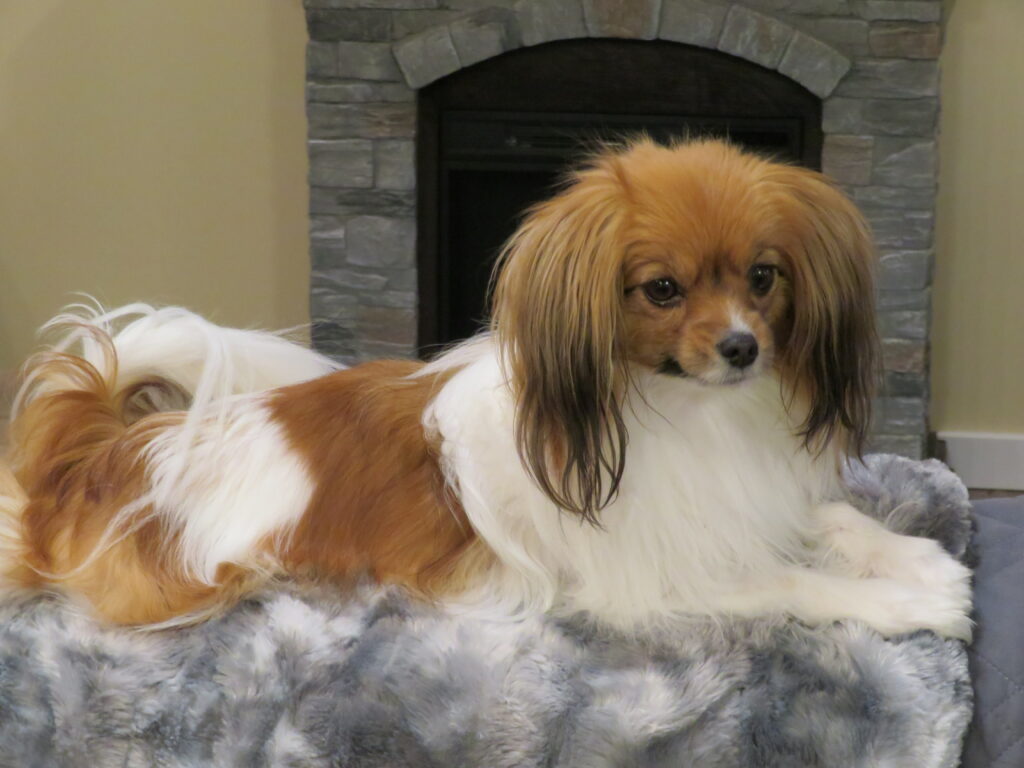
<point>996,736</point>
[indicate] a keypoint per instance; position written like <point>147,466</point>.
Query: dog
<point>681,358</point>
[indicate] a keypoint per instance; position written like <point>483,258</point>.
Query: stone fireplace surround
<point>874,63</point>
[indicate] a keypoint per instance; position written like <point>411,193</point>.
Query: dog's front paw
<point>942,606</point>
<point>924,561</point>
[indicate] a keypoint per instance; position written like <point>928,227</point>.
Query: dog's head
<point>697,261</point>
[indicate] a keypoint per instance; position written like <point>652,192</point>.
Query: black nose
<point>739,349</point>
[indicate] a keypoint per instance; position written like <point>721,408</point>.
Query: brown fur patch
<point>381,506</point>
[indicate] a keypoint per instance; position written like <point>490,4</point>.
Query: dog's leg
<point>890,606</point>
<point>860,545</point>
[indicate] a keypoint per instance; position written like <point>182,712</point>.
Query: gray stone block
<point>370,349</point>
<point>342,203</point>
<point>382,4</point>
<point>401,279</point>
<point>326,255</point>
<point>754,37</point>
<point>392,299</point>
<point>904,385</point>
<point>896,197</point>
<point>542,21</point>
<point>334,25</point>
<point>359,121</point>
<point>367,61</point>
<point>478,5</point>
<point>906,162</point>
<point>345,163</point>
<point>891,79</point>
<point>815,65</point>
<point>695,22</point>
<point>904,270</point>
<point>903,301</point>
<point>328,228</point>
<point>634,19</point>
<point>900,416</point>
<point>407,23</point>
<point>387,325</point>
<point>885,117</point>
<point>905,40</point>
<point>352,280</point>
<point>329,300</point>
<point>908,10</point>
<point>901,229</point>
<point>904,355</point>
<point>485,34</point>
<point>321,60</point>
<point>358,92</point>
<point>849,36</point>
<point>806,7</point>
<point>333,338</point>
<point>904,324</point>
<point>395,162</point>
<point>848,159</point>
<point>911,446</point>
<point>427,57</point>
<point>378,241</point>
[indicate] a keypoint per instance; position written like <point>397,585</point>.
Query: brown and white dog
<point>681,357</point>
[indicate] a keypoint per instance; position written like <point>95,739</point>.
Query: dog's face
<point>696,261</point>
<point>707,290</point>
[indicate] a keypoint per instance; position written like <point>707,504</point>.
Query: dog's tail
<point>76,420</point>
<point>170,358</point>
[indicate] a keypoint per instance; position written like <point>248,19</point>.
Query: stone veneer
<point>873,62</point>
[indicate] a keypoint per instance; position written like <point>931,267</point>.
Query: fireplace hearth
<point>434,122</point>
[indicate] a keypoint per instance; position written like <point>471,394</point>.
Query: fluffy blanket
<point>294,678</point>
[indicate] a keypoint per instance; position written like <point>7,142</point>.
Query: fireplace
<point>433,124</point>
<point>495,138</point>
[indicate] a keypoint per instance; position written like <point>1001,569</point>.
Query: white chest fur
<point>717,490</point>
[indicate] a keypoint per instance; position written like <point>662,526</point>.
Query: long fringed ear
<point>557,316</point>
<point>832,349</point>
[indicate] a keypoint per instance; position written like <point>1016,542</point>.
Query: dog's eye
<point>662,290</point>
<point>762,278</point>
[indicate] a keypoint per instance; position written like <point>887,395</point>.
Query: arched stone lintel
<point>733,29</point>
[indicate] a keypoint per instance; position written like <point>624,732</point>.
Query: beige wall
<point>152,150</point>
<point>978,350</point>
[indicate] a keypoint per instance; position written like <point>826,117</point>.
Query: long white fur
<point>207,360</point>
<point>720,511</point>
<point>240,483</point>
<point>715,486</point>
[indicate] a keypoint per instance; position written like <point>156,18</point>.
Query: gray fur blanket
<point>294,678</point>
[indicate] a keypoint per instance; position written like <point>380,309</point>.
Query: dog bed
<point>300,678</point>
<point>996,735</point>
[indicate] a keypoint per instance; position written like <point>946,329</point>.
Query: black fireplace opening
<point>495,138</point>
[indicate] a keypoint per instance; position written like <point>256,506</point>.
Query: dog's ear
<point>832,348</point>
<point>557,315</point>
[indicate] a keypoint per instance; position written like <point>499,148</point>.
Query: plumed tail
<point>12,504</point>
<point>136,346</point>
<point>78,505</point>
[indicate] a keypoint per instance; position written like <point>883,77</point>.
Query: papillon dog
<point>681,358</point>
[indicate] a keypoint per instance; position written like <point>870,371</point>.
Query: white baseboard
<point>986,459</point>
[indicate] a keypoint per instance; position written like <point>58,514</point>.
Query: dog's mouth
<point>671,367</point>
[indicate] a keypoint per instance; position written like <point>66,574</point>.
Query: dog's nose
<point>739,349</point>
